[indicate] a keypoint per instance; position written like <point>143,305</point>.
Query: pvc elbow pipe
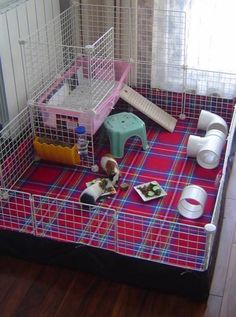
<point>210,121</point>
<point>207,150</point>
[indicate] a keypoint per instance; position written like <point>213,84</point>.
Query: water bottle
<point>82,142</point>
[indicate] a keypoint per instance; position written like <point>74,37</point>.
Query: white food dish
<point>145,198</point>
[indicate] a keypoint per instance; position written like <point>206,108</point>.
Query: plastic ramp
<point>148,108</point>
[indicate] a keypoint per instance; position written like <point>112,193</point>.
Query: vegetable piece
<point>157,191</point>
<point>124,186</point>
<point>154,183</point>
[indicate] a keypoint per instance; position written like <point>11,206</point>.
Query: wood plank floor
<point>31,289</point>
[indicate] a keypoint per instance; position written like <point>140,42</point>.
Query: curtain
<point>168,49</point>
<point>198,51</point>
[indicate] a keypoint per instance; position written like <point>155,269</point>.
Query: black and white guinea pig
<point>91,194</point>
<point>110,166</point>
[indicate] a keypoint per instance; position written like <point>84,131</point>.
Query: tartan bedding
<point>152,230</point>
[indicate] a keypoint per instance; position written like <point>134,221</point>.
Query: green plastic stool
<point>120,127</point>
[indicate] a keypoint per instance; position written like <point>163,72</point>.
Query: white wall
<point>16,23</point>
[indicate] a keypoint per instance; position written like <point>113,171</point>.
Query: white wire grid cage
<point>84,74</point>
<point>16,139</point>
<point>104,228</point>
<point>78,48</point>
<point>60,53</point>
<point>57,128</point>
<point>66,220</point>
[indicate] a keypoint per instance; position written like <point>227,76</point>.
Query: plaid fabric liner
<point>151,230</point>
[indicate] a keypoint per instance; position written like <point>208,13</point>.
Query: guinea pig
<point>110,166</point>
<point>91,194</point>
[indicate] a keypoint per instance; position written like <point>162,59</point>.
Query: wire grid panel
<point>168,36</point>
<point>72,221</point>
<point>94,20</point>
<point>87,78</point>
<point>44,53</point>
<point>141,36</point>
<point>170,100</point>
<point>102,73</point>
<point>74,76</point>
<point>15,211</point>
<point>212,91</point>
<point>46,65</point>
<point>161,241</point>
<point>54,126</point>
<point>16,151</point>
<point>43,62</point>
<point>223,180</point>
<point>160,57</point>
<point>161,41</point>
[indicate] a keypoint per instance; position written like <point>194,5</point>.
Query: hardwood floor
<point>31,289</point>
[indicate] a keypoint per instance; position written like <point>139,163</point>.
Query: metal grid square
<point>16,146</point>
<point>53,126</point>
<point>86,73</point>
<point>74,222</point>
